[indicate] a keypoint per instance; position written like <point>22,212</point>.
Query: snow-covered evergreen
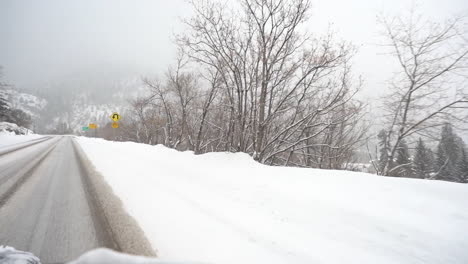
<point>449,153</point>
<point>423,161</point>
<point>403,161</point>
<point>462,166</point>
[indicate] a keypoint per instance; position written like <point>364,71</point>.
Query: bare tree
<point>279,90</point>
<point>214,80</point>
<point>249,78</point>
<point>144,126</point>
<point>182,87</point>
<point>427,89</point>
<point>160,101</point>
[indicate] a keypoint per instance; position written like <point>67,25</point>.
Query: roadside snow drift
<point>225,208</point>
<point>9,138</point>
<point>14,129</point>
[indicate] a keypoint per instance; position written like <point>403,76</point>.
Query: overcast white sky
<point>48,39</point>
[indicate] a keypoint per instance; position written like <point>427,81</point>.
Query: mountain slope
<point>65,107</point>
<point>29,103</point>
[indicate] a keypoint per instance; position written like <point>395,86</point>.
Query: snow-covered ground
<point>8,138</point>
<point>225,208</point>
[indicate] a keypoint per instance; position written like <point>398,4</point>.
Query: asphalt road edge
<point>23,176</point>
<point>124,229</point>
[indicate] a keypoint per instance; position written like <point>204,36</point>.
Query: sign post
<point>115,117</point>
<point>93,126</point>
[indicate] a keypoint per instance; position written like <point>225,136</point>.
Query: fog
<point>45,41</point>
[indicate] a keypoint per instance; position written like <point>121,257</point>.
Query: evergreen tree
<point>423,162</point>
<point>11,115</point>
<point>384,149</point>
<point>431,161</point>
<point>462,166</point>
<point>4,107</point>
<point>20,118</point>
<point>403,161</point>
<point>442,161</point>
<point>448,154</point>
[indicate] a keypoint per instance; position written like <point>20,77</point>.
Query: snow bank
<point>6,127</point>
<point>8,137</point>
<point>9,255</point>
<point>107,256</point>
<point>226,208</point>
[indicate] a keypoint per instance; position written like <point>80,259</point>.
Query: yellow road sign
<point>92,126</point>
<point>115,117</point>
<point>115,125</point>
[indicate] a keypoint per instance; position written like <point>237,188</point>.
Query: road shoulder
<point>127,234</point>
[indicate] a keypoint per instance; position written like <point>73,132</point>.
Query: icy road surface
<point>225,208</point>
<point>46,206</point>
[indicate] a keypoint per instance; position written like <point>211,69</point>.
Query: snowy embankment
<point>9,137</point>
<point>225,208</point>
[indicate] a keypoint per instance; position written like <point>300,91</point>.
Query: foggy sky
<point>51,39</point>
<point>47,39</point>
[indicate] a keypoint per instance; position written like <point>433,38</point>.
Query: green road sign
<point>85,128</point>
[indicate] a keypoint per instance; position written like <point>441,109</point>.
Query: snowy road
<point>45,203</point>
